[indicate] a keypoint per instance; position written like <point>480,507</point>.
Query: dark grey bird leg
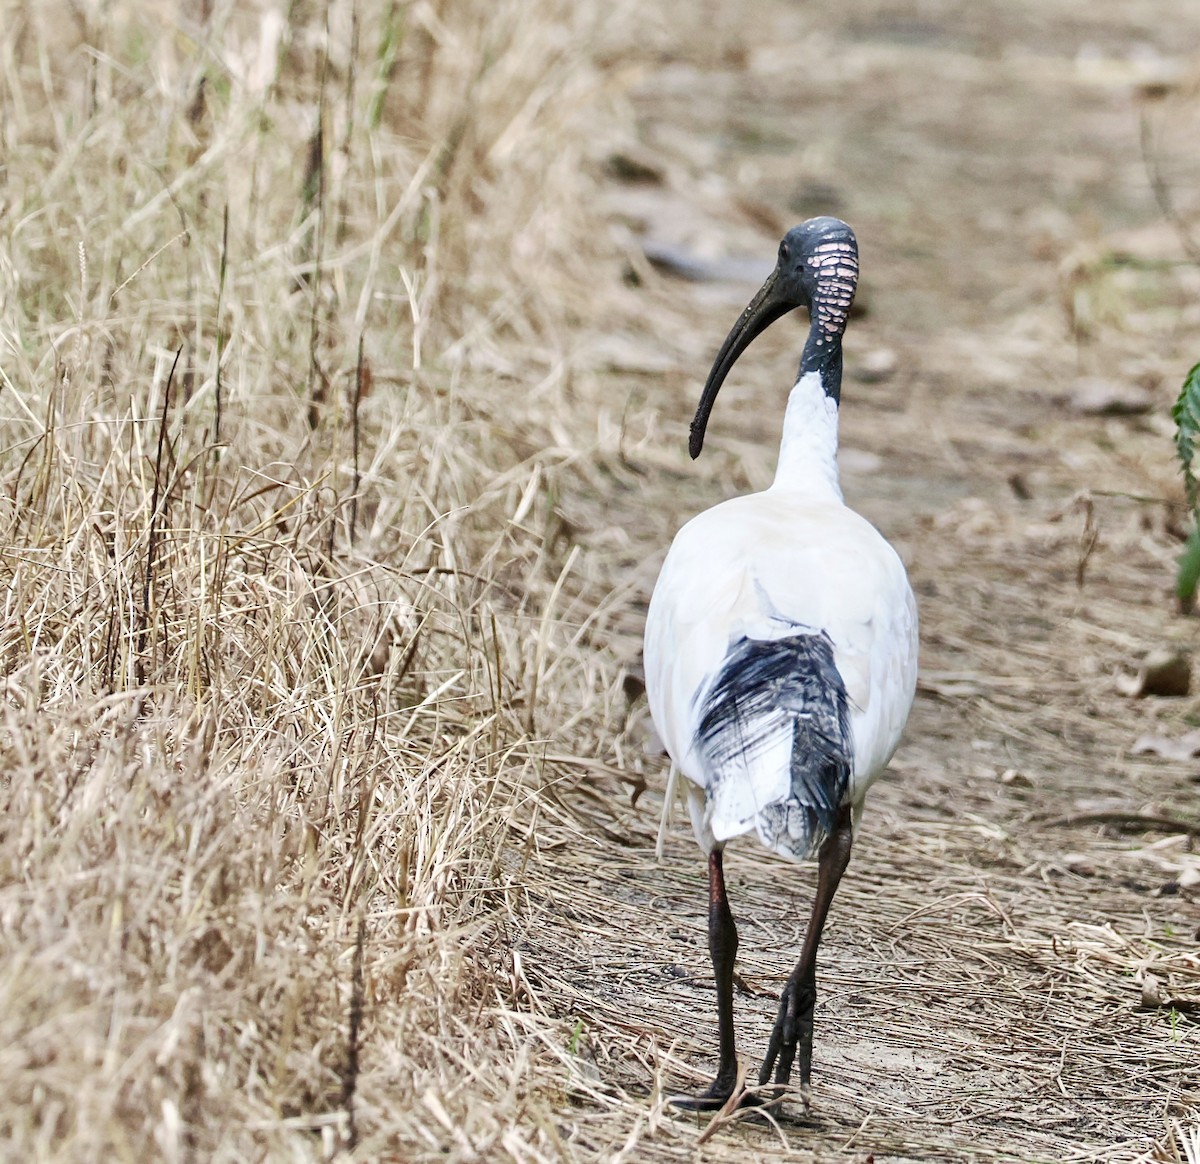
<point>794,1026</point>
<point>722,946</point>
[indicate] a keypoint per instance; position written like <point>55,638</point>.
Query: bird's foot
<point>727,1090</point>
<point>705,1101</point>
<point>717,1096</point>
<point>727,1098</point>
<point>791,1035</point>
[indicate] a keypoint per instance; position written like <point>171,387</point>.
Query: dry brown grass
<point>333,482</point>
<point>283,304</point>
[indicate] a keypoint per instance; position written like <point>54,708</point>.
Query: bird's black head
<point>817,269</point>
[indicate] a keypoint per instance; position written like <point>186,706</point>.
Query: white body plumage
<point>791,560</point>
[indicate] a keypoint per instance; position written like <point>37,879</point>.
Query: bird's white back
<point>763,567</point>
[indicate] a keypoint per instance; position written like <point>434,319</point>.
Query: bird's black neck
<point>824,355</point>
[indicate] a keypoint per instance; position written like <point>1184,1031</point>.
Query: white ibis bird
<point>781,647</point>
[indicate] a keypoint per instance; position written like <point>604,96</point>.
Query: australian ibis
<point>781,648</point>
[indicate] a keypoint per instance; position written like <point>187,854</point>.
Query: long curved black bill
<point>764,309</point>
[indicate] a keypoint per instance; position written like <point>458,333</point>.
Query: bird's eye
<point>785,252</point>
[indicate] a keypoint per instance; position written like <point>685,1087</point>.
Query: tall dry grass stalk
<point>284,299</point>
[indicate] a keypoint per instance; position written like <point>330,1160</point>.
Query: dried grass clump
<point>282,301</point>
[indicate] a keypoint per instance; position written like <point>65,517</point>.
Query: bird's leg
<point>794,1025</point>
<point>722,946</point>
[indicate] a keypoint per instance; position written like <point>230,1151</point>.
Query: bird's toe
<point>706,1101</point>
<point>728,1081</point>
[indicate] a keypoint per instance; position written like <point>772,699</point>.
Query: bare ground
<point>997,973</point>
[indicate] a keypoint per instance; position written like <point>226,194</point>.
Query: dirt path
<point>991,949</point>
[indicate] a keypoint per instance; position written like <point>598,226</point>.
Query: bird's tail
<point>775,698</point>
<point>820,768</point>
